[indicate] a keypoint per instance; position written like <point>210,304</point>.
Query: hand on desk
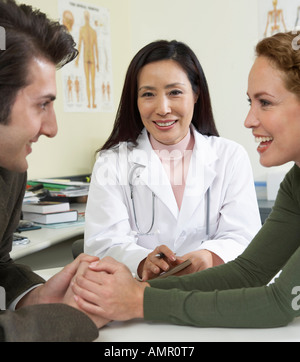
<point>152,266</point>
<point>72,299</point>
<point>108,290</point>
<point>54,290</point>
<point>201,260</point>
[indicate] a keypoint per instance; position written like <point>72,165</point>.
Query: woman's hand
<point>107,290</point>
<point>201,260</point>
<point>70,298</point>
<point>153,265</point>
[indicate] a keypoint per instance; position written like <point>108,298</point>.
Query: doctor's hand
<point>153,265</point>
<point>201,260</point>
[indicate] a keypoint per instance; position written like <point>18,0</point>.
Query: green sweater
<point>237,294</point>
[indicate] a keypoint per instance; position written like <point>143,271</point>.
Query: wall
<point>222,33</point>
<point>72,151</point>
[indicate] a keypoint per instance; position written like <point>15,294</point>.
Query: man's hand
<point>54,290</point>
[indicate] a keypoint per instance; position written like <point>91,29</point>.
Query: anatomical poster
<point>278,16</point>
<point>87,81</point>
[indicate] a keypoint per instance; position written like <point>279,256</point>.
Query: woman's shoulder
<point>292,181</point>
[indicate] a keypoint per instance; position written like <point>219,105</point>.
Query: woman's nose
<point>163,106</point>
<point>251,120</point>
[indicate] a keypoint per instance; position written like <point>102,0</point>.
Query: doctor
<point>165,182</point>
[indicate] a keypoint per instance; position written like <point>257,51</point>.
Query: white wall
<point>222,33</point>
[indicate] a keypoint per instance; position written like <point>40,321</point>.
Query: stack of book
<point>62,187</point>
<point>46,212</point>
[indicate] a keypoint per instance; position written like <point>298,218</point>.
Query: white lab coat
<point>216,163</point>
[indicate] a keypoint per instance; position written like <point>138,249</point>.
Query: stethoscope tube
<point>130,178</point>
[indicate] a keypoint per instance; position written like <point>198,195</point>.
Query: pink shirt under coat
<point>176,160</point>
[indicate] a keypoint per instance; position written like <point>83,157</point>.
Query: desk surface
<point>46,237</point>
<point>141,331</point>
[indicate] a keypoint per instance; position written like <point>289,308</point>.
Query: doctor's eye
<point>147,95</point>
<point>175,92</point>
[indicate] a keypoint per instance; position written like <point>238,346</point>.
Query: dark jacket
<point>48,322</point>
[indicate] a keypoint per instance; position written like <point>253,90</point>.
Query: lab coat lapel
<point>153,174</point>
<point>200,177</point>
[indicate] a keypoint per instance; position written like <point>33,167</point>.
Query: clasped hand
<point>58,288</point>
<point>106,290</point>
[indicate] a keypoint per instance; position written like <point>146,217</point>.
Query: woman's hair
<point>28,34</point>
<point>282,49</point>
<point>128,124</point>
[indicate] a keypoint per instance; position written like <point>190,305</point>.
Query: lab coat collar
<point>152,173</point>
<point>144,149</point>
<point>200,176</point>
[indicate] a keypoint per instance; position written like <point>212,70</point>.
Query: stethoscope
<point>148,232</point>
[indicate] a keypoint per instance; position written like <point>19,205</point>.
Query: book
<point>52,217</point>
<point>62,188</point>
<point>43,207</point>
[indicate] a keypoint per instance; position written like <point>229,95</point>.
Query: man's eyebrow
<point>50,97</point>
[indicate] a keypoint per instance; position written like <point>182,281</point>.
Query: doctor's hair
<point>283,52</point>
<point>128,124</point>
<point>29,35</point>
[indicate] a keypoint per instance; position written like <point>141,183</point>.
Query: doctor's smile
<point>164,125</point>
